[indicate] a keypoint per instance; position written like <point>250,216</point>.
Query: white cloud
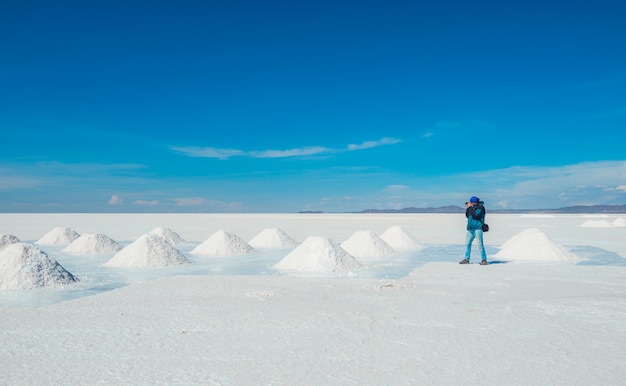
<point>517,187</point>
<point>547,187</point>
<point>304,151</point>
<point>115,200</point>
<point>372,144</point>
<point>209,152</point>
<point>223,154</point>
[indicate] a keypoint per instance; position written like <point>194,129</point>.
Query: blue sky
<point>249,106</point>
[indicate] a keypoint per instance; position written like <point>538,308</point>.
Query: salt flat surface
<point>511,324</point>
<point>416,317</point>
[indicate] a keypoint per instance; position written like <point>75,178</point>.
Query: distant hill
<point>457,209</point>
<point>588,209</point>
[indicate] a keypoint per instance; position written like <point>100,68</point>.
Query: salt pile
<point>169,235</point>
<point>92,243</point>
<point>273,238</point>
<point>367,244</point>
<point>318,254</point>
<point>222,243</point>
<point>597,224</point>
<point>400,239</point>
<point>6,240</point>
<point>149,250</point>
<point>619,222</point>
<point>534,245</point>
<point>58,236</point>
<point>24,266</point>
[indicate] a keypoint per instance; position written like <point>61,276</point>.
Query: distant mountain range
<point>458,209</point>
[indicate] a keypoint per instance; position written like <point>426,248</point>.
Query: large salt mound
<point>367,244</point>
<point>149,250</point>
<point>534,245</point>
<point>318,254</point>
<point>92,243</point>
<point>597,224</point>
<point>222,243</point>
<point>619,222</point>
<point>24,266</point>
<point>399,239</point>
<point>6,240</point>
<point>273,238</point>
<point>169,235</point>
<point>58,236</point>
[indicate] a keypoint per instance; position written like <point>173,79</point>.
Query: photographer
<point>475,213</point>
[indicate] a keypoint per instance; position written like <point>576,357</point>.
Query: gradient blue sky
<point>267,106</point>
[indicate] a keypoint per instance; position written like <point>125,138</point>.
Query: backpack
<point>472,212</point>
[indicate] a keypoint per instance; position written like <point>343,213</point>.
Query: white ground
<point>417,317</point>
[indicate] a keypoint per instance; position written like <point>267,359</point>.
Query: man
<point>475,213</point>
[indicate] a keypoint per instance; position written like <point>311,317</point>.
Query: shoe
<point>483,262</point>
<point>464,261</point>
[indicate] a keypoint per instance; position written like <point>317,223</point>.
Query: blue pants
<point>469,239</point>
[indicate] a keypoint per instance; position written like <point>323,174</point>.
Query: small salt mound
<point>169,235</point>
<point>58,236</point>
<point>534,245</point>
<point>149,250</point>
<point>24,266</point>
<point>318,254</point>
<point>619,222</point>
<point>6,240</point>
<point>399,239</point>
<point>222,243</point>
<point>367,244</point>
<point>92,243</point>
<point>597,224</point>
<point>273,238</point>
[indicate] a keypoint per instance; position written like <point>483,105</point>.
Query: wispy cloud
<point>519,187</point>
<point>547,187</point>
<point>299,152</point>
<point>209,152</point>
<point>223,154</point>
<point>40,175</point>
<point>115,200</point>
<point>372,144</point>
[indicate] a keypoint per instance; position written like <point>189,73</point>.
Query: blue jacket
<point>475,216</point>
